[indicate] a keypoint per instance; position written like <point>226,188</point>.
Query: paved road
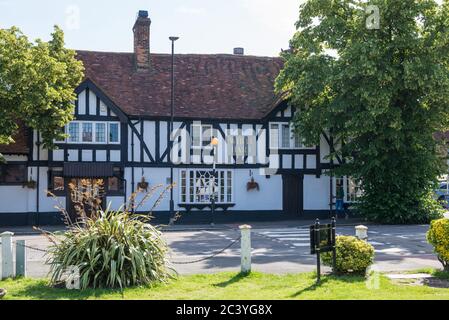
<point>275,250</point>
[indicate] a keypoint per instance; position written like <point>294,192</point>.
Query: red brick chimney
<point>141,31</point>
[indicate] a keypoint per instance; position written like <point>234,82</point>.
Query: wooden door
<point>293,198</point>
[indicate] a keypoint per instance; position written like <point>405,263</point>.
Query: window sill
<point>202,206</point>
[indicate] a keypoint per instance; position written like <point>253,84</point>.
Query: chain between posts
<point>211,256</point>
<point>32,248</point>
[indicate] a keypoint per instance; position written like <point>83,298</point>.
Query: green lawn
<point>235,286</point>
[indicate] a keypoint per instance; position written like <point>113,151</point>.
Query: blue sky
<point>262,27</point>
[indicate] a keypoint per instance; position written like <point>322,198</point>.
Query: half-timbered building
<point>121,135</point>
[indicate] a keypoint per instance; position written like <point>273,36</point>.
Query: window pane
<point>298,140</point>
<point>229,186</point>
<point>183,187</point>
<point>74,132</point>
<point>100,132</point>
<point>87,132</point>
<point>113,132</point>
<point>196,135</point>
<point>13,173</point>
<point>274,136</point>
<point>206,135</point>
<point>285,143</point>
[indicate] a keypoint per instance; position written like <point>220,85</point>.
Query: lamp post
<point>172,114</point>
<point>214,143</point>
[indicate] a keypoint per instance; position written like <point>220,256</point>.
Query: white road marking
<point>294,239</point>
<point>374,243</point>
<point>301,244</point>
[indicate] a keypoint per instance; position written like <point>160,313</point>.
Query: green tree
<point>37,83</point>
<point>381,93</point>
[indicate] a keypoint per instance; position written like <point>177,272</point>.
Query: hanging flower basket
<point>252,185</point>
<point>142,185</point>
<point>31,184</point>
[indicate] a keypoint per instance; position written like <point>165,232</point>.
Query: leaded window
<point>200,186</point>
<point>87,132</point>
<point>100,132</point>
<point>74,130</point>
<point>113,133</point>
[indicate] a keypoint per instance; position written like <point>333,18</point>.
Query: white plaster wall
<point>47,204</point>
<point>268,198</point>
<point>316,193</point>
<point>13,199</point>
<point>114,202</point>
<point>20,200</point>
<point>154,176</point>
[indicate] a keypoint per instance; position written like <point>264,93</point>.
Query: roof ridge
<point>211,55</point>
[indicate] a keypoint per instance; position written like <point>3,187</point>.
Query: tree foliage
<point>381,93</point>
<point>37,83</point>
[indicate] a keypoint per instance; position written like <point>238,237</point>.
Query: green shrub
<point>353,255</point>
<point>115,249</point>
<point>438,237</point>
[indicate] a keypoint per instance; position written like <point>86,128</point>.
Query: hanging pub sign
<point>322,239</point>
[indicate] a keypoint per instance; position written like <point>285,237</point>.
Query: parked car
<point>442,194</point>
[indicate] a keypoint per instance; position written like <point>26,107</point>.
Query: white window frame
<point>218,189</point>
<point>94,135</point>
<point>79,133</point>
<point>107,132</point>
<point>280,135</point>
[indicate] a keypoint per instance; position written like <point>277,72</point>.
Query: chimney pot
<point>239,51</point>
<point>143,14</point>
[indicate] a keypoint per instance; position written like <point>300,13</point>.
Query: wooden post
<point>7,263</point>
<point>245,248</point>
<point>20,258</point>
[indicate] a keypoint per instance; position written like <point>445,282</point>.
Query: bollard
<point>20,258</point>
<point>361,232</point>
<point>7,263</point>
<point>245,248</point>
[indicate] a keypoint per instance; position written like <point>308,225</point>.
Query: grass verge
<point>237,286</point>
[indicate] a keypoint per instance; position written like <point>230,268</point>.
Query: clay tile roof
<point>207,86</point>
<point>21,143</point>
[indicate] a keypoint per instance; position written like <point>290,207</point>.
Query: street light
<point>214,143</point>
<point>172,114</point>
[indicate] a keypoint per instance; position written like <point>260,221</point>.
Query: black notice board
<point>326,244</point>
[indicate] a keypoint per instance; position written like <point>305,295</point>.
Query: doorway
<point>293,194</point>
<point>89,191</point>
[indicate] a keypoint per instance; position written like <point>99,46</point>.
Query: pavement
<point>277,248</point>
